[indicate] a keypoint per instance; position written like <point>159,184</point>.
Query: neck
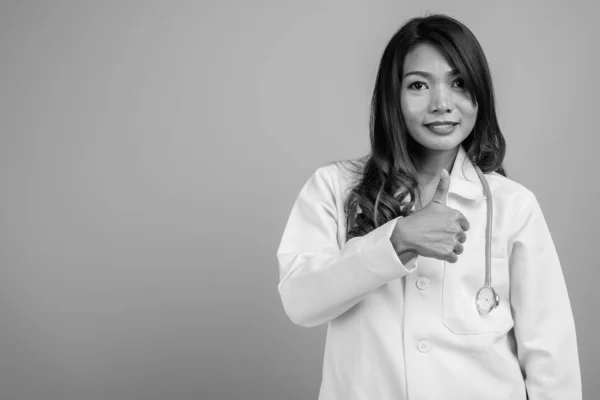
<point>429,164</point>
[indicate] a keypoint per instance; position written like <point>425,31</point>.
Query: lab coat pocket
<point>462,281</point>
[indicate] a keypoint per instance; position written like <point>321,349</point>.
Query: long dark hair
<point>389,173</point>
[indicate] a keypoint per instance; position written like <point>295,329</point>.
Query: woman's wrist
<point>401,246</point>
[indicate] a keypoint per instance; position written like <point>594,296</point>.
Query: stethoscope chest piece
<point>487,299</point>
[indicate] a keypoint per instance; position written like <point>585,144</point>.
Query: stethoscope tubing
<point>488,228</point>
<point>486,299</point>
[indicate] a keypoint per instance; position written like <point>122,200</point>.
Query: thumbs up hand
<point>435,231</point>
<point>443,186</point>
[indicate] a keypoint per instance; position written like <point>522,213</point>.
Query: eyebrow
<point>428,75</point>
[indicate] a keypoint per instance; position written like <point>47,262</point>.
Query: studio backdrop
<point>151,152</point>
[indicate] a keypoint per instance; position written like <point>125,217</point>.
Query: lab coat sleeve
<point>544,326</point>
<point>319,279</point>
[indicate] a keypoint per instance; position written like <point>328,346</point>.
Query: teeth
<point>442,128</point>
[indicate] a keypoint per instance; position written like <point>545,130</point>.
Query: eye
<point>417,85</point>
<point>460,83</point>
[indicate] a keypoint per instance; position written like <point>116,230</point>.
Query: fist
<point>435,231</point>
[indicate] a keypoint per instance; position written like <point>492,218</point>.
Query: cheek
<point>467,110</point>
<point>413,107</point>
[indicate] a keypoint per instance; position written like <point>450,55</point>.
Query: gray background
<point>151,153</point>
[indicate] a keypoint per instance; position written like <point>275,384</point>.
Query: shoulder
<point>512,198</point>
<point>507,188</point>
<point>342,175</point>
<point>516,205</point>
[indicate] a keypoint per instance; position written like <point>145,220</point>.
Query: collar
<point>464,181</point>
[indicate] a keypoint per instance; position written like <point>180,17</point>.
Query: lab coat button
<point>422,283</point>
<point>423,346</point>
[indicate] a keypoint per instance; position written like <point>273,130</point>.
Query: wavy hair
<point>387,187</point>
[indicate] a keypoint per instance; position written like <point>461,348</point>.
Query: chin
<point>441,144</point>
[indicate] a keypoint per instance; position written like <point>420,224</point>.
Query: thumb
<point>442,188</point>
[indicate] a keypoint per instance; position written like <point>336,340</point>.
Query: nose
<point>441,100</point>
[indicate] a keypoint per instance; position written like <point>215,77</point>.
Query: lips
<point>442,128</point>
<point>442,123</point>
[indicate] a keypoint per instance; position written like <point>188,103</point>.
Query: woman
<point>390,251</point>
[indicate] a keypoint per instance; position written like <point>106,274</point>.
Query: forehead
<point>428,58</point>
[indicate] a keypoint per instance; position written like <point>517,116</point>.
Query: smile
<point>442,128</point>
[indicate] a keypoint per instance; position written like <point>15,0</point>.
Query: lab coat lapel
<point>464,181</point>
<point>466,194</point>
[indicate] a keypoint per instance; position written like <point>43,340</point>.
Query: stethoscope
<point>487,299</point>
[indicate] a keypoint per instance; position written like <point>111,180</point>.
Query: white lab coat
<point>412,331</point>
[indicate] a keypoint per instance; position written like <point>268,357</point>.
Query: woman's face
<point>437,110</point>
